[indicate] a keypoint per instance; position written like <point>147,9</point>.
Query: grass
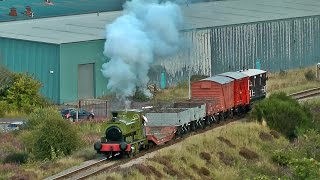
<point>291,81</point>
<point>216,151</point>
<point>206,156</point>
<point>286,81</point>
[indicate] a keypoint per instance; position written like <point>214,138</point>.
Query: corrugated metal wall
<point>81,53</point>
<point>196,53</point>
<point>38,59</point>
<point>281,44</point>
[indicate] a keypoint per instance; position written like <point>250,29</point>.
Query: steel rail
<point>306,93</point>
<point>77,171</point>
<point>156,148</point>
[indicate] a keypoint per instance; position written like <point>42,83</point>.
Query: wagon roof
<point>252,72</point>
<point>234,75</point>
<point>219,79</point>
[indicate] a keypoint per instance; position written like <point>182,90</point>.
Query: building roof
<point>76,28</point>
<point>56,8</point>
<point>218,79</point>
<point>234,75</point>
<point>252,72</point>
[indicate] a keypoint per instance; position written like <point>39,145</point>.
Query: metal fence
<point>97,106</point>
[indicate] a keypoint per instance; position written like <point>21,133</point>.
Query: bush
<point>40,116</point>
<point>310,75</point>
<point>140,96</point>
<point>55,139</point>
<point>17,158</point>
<point>3,108</point>
<point>305,168</point>
<point>50,136</point>
<point>283,114</point>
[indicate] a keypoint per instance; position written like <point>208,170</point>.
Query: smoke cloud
<point>147,29</point>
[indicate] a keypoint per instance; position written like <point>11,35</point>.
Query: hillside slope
<point>235,151</point>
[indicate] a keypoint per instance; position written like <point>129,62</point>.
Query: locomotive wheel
<point>129,155</point>
<point>193,126</point>
<point>221,117</point>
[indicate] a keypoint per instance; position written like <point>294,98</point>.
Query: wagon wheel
<point>150,145</point>
<point>231,114</point>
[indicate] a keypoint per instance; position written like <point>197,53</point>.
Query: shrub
<point>50,136</point>
<point>55,139</point>
<point>40,116</point>
<point>3,108</point>
<point>17,158</point>
<point>140,96</point>
<point>305,168</point>
<point>281,157</point>
<point>310,75</point>
<point>283,114</point>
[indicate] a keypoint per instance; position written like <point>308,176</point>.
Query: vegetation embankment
<point>287,148</point>
<point>46,144</point>
<point>31,154</point>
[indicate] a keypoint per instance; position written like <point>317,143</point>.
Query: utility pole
<point>189,69</point>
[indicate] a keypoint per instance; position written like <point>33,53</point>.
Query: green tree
<point>6,81</point>
<point>24,94</point>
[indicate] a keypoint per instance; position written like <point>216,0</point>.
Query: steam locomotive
<point>213,99</point>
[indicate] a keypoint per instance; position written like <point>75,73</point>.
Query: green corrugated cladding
<point>38,59</point>
<point>73,54</point>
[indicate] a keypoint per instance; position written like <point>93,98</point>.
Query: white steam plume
<point>147,29</point>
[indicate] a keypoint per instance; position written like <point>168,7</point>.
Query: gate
<point>97,106</point>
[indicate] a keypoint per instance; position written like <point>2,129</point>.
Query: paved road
<point>10,120</point>
<point>5,121</point>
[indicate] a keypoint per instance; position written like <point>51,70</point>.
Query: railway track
<point>108,165</point>
<point>85,171</point>
<point>306,94</point>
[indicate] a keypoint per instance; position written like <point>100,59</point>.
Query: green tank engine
<point>125,134</point>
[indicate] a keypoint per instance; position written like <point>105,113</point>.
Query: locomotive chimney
<point>13,11</point>
<point>114,116</point>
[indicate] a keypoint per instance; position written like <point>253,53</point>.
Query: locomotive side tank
<point>125,134</point>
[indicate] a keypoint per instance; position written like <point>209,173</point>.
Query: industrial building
<point>65,53</point>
